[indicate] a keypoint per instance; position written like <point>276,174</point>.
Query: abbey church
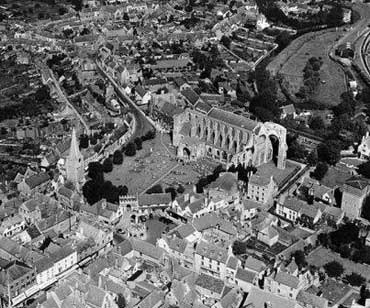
<point>228,138</point>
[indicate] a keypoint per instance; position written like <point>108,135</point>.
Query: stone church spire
<point>74,162</point>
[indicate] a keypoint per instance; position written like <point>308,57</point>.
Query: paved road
<point>143,125</point>
<point>63,96</point>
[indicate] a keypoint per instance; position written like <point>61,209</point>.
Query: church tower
<point>74,162</point>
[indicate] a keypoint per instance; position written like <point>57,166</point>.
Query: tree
<point>117,157</point>
<point>107,165</point>
<point>226,41</point>
<point>138,143</point>
<point>62,11</point>
<point>95,172</point>
<point>335,16</point>
<point>334,269</point>
<point>295,149</point>
<point>239,247</point>
<point>130,149</point>
<point>283,39</point>
<point>91,191</point>
<point>329,152</point>
<point>320,170</point>
<point>364,169</point>
<point>121,301</point>
<point>172,191</point>
<point>317,123</point>
<point>312,158</point>
<point>93,140</point>
<point>364,294</point>
<point>300,258</point>
<point>77,4</point>
<point>156,189</point>
<point>355,279</point>
<point>180,189</point>
<point>84,141</point>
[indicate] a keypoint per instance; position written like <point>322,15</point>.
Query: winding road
<point>143,123</point>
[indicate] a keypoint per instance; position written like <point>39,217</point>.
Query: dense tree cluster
<point>265,105</point>
<point>311,78</point>
<point>96,188</point>
<point>332,18</point>
<point>295,151</point>
<point>32,105</point>
<point>320,170</point>
<point>355,279</point>
<point>334,269</point>
<point>347,242</point>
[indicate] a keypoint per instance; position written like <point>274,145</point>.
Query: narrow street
<point>143,125</point>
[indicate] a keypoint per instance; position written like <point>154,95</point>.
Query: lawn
<point>321,256</point>
<point>332,77</point>
<point>139,172</point>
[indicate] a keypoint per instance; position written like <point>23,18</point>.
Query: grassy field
<point>291,61</point>
<point>332,76</point>
<point>321,256</point>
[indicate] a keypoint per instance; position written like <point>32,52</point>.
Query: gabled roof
<point>184,230</point>
<point>95,296</point>
<point>311,300</point>
<point>233,119</point>
<point>146,248</point>
<point>37,179</point>
<point>358,182</point>
<point>287,279</point>
<point>232,262</point>
<point>210,283</point>
<point>190,95</point>
<point>177,244</point>
<point>140,90</point>
<point>245,275</point>
<point>288,109</point>
<point>254,265</point>
<point>258,298</point>
<point>154,199</point>
<point>212,252</point>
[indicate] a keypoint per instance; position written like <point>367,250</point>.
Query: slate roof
<point>185,230</point>
<point>253,264</point>
<point>210,283</point>
<point>146,248</point>
<point>245,275</point>
<point>233,119</point>
<point>154,199</point>
<point>258,298</point>
<point>232,262</point>
<point>37,179</point>
<point>311,300</point>
<point>177,244</point>
<point>190,95</point>
<point>14,271</point>
<point>212,252</point>
<point>287,279</point>
<point>95,296</point>
<point>358,182</point>
<point>288,109</point>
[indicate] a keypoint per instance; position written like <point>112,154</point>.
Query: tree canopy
<point>334,269</point>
